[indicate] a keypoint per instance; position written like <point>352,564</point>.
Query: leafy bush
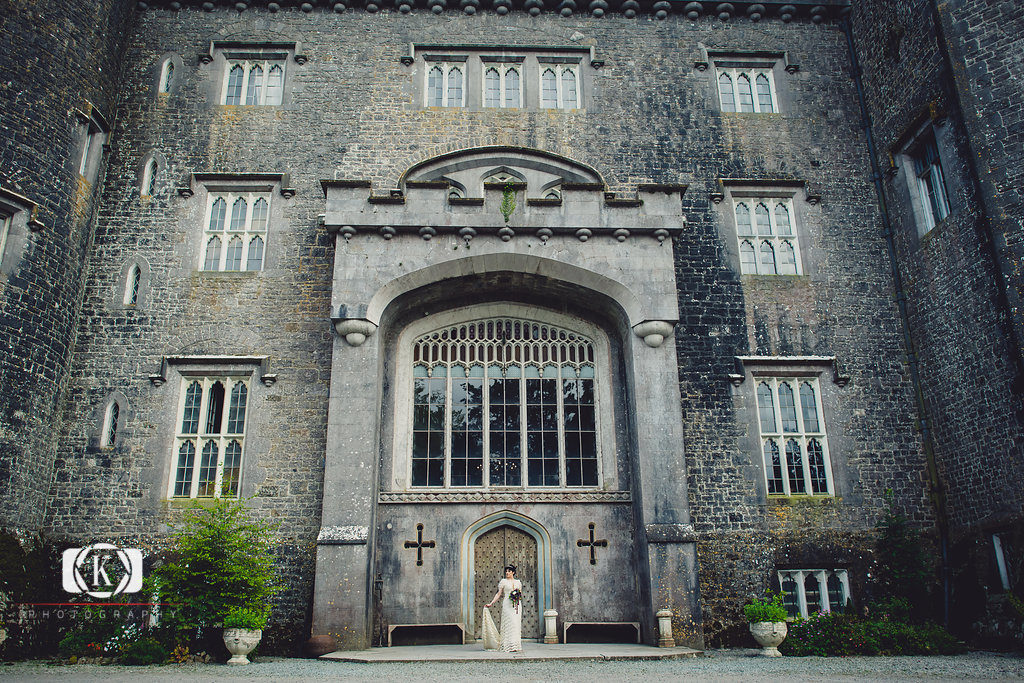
<point>770,608</point>
<point>830,634</point>
<point>98,632</point>
<point>221,562</point>
<point>246,618</point>
<point>147,650</point>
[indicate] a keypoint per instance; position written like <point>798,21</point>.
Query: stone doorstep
<point>531,652</point>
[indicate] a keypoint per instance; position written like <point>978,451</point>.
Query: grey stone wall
<point>57,58</point>
<point>349,113</point>
<point>944,63</point>
<point>961,326</point>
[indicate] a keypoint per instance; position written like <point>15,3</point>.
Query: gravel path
<point>715,665</point>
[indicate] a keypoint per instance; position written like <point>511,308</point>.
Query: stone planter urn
<point>240,642</point>
<point>769,635</point>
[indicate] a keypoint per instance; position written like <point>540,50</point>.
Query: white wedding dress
<point>511,617</point>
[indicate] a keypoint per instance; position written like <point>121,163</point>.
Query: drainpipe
<point>937,491</point>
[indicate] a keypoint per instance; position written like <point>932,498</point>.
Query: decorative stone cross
<point>420,544</point>
<point>603,543</point>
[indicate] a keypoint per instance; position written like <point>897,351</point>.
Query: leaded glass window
<point>504,402</point>
<point>260,81</point>
<point>793,442</point>
<point>110,425</point>
<point>167,76</point>
<point>805,592</point>
<point>445,85</point>
<point>131,292</point>
<point>768,224</point>
<point>501,87</point>
<point>211,424</point>
<point>747,90</point>
<point>242,232</point>
<point>931,185</point>
<point>559,86</point>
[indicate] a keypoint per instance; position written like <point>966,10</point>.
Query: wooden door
<point>493,550</point>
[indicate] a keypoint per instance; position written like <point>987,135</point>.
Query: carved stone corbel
<point>653,332</point>
<point>354,330</point>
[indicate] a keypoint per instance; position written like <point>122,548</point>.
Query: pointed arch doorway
<point>493,551</point>
<point>488,545</point>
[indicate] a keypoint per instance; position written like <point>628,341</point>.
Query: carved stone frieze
<point>504,497</point>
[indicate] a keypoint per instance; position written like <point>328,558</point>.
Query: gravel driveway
<point>715,665</point>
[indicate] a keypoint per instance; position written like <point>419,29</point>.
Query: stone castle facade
<point>665,302</point>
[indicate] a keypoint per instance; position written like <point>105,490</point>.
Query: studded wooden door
<point>493,550</point>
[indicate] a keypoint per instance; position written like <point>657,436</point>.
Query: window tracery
<point>504,402</point>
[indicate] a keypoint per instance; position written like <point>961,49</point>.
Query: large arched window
<point>503,402</point>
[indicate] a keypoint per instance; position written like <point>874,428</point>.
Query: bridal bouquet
<point>516,597</point>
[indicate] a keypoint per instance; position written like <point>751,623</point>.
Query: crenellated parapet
<point>816,11</point>
<point>428,209</point>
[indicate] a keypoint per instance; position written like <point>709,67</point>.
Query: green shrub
<point>146,650</point>
<point>98,631</point>
<point>246,618</point>
<point>902,571</point>
<point>829,634</point>
<point>222,563</point>
<point>770,608</point>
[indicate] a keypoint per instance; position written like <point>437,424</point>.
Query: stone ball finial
<point>693,10</point>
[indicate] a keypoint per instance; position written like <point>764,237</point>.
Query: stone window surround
<point>533,59</point>
<point>199,188</point>
<point>775,239</point>
<point>99,422</point>
<point>162,86</point>
<point>93,135</point>
<point>449,65</point>
<point>223,52</point>
<point>802,435</point>
<point>798,575</point>
<point>830,402</point>
<point>932,126</point>
<point>775,64</point>
<point>503,65</point>
<point>177,368</point>
<point>228,232</point>
<point>152,166</point>
<point>222,439</point>
<point>121,288</point>
<point>800,216</point>
<point>402,460</point>
<point>18,220</point>
<point>733,71</point>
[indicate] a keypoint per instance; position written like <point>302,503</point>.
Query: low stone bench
<point>601,632</point>
<point>426,634</point>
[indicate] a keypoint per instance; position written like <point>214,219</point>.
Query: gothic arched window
<point>244,233</point>
<point>212,425</point>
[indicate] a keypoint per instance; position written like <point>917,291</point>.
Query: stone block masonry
<point>350,111</point>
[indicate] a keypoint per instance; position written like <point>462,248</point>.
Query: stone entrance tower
<point>504,358</point>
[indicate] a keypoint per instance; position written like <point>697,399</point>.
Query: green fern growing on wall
<point>508,201</point>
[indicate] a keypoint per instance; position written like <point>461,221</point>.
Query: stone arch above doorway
<point>493,521</point>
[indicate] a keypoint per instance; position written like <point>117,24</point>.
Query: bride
<point>510,590</point>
